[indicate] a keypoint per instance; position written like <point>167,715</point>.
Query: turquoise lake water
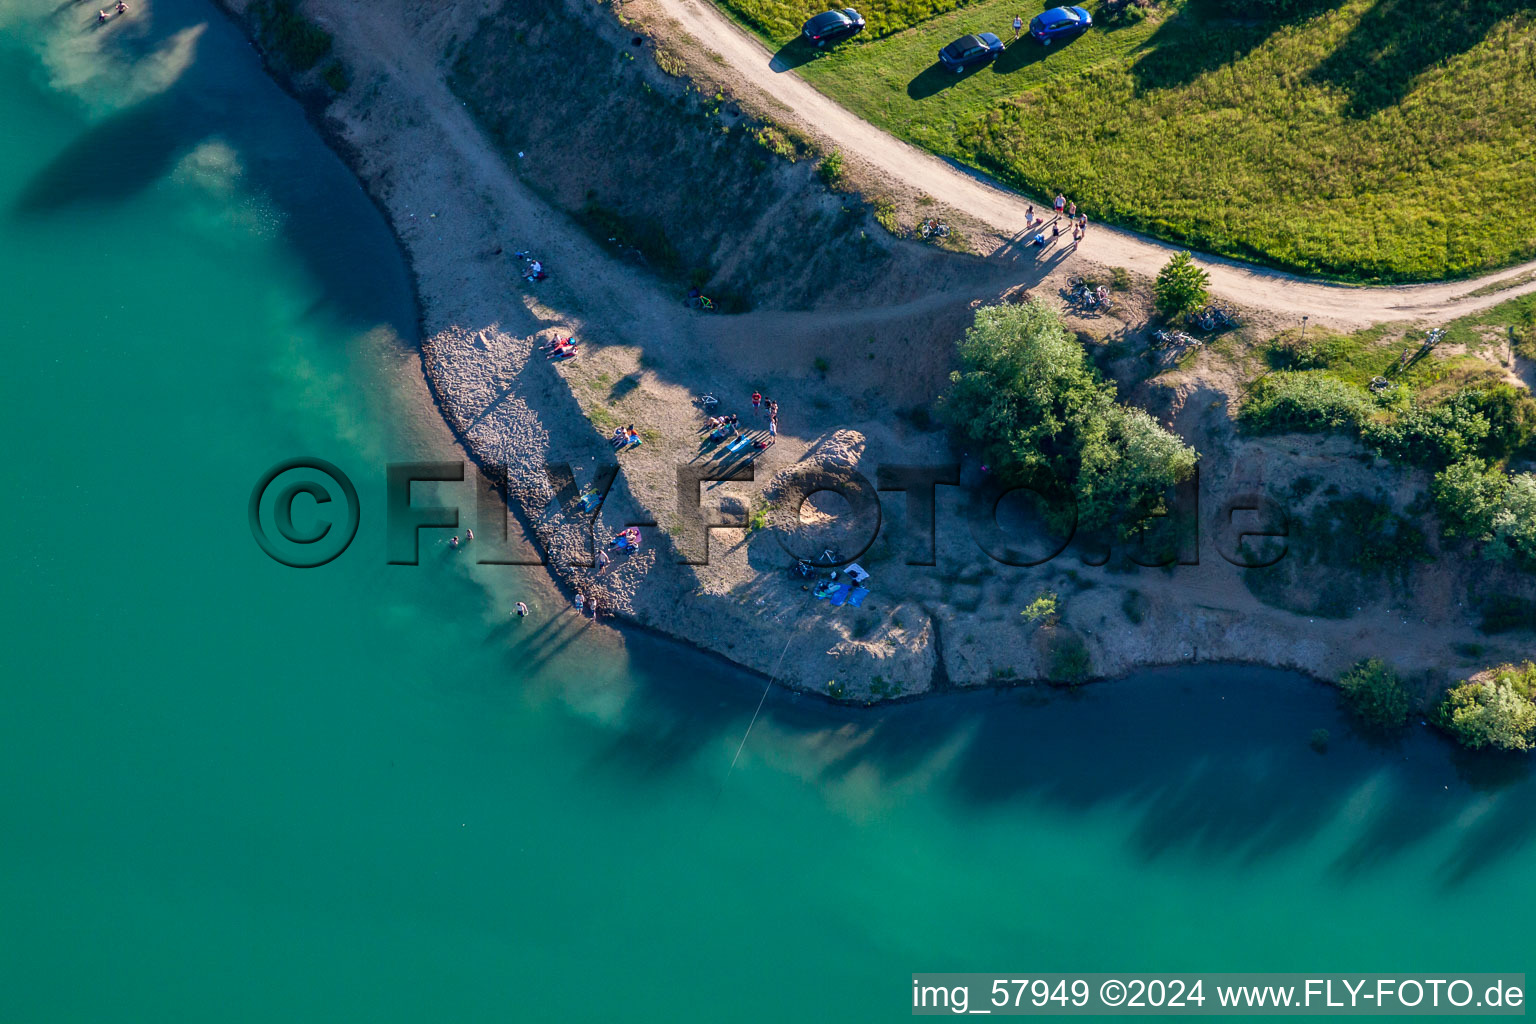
<point>235,791</point>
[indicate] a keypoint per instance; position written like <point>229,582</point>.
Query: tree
<point>1514,524</point>
<point>1468,495</point>
<point>1488,714</point>
<point>1028,398</point>
<point>1373,692</point>
<point>1180,287</point>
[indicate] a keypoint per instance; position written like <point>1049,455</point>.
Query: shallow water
<point>237,791</point>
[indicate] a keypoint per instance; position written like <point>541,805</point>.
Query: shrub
<point>1042,609</point>
<point>1488,714</point>
<point>1307,401</point>
<point>1520,678</point>
<point>1467,497</point>
<point>1372,691</point>
<point>1504,612</point>
<point>1180,287</point>
<point>831,169</point>
<point>1484,422</point>
<point>1027,397</point>
<point>1070,661</point>
<point>1120,279</point>
<point>335,75</point>
<point>300,42</point>
<point>1514,524</point>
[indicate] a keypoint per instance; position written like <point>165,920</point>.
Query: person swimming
<point>522,610</point>
<point>454,541</point>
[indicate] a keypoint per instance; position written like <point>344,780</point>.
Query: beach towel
<point>857,597</point>
<point>738,444</point>
<point>841,594</point>
<point>590,502</point>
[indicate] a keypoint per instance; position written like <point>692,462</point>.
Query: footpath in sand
<point>461,213</point>
<point>751,72</point>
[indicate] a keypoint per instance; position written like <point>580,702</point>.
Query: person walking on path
<point>1061,203</point>
<point>757,401</point>
<point>1018,26</point>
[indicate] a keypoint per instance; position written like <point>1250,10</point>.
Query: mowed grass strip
<point>1370,140</point>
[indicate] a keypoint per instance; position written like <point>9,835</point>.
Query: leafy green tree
<point>1028,398</point>
<point>1488,714</point>
<point>1488,423</point>
<point>1468,495</point>
<point>1373,692</point>
<point>1514,524</point>
<point>1180,286</point>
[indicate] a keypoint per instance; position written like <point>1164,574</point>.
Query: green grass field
<point>1379,140</point>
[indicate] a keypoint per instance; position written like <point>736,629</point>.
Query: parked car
<point>971,51</point>
<point>1059,23</point>
<point>831,26</point>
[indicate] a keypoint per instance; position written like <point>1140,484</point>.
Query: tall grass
<point>1378,140</point>
<point>781,19</point>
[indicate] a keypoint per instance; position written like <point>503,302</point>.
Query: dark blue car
<point>832,26</point>
<point>970,51</point>
<point>1059,23</point>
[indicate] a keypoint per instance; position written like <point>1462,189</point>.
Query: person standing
<point>1072,211</point>
<point>773,426</point>
<point>1018,26</point>
<point>602,561</point>
<point>1061,203</point>
<point>1082,223</point>
<point>581,602</point>
<point>522,610</point>
<point>757,401</point>
<point>1029,215</point>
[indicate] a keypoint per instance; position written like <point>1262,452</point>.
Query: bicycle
<point>707,402</point>
<point>700,302</point>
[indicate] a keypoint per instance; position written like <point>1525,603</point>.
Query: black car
<point>831,26</point>
<point>970,51</point>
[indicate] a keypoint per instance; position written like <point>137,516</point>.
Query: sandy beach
<point>853,375</point>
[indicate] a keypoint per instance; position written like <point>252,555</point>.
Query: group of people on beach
<point>729,425</point>
<point>560,348</point>
<point>1064,210</point>
<point>624,437</point>
<point>118,8</point>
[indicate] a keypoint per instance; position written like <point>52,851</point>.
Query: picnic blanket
<point>857,597</point>
<point>840,594</point>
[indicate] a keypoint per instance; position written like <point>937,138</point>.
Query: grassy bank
<point>1376,140</point>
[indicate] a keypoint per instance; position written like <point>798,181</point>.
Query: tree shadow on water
<point>1209,761</point>
<point>116,159</point>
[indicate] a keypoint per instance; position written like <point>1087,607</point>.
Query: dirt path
<point>752,69</point>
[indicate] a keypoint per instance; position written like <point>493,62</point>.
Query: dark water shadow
<point>323,213</point>
<point>117,159</point>
<point>1209,761</point>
